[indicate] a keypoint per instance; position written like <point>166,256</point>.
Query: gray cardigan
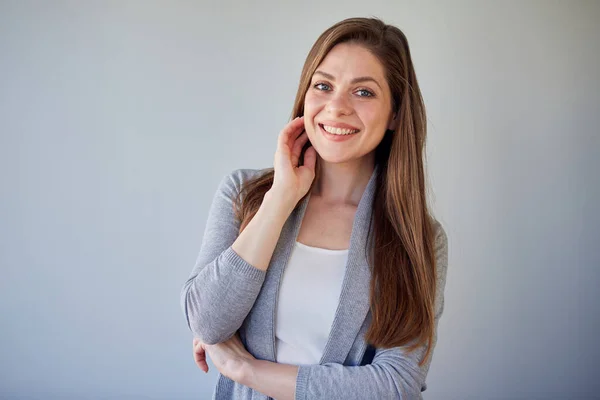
<point>225,294</point>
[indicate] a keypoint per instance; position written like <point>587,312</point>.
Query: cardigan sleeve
<point>222,287</point>
<point>393,374</point>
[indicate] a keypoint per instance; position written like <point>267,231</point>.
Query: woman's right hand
<point>292,181</point>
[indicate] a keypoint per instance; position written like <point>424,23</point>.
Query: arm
<point>231,266</point>
<point>393,374</point>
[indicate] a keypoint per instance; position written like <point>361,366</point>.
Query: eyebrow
<point>355,80</point>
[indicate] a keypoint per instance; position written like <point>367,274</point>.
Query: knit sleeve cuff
<point>302,382</point>
<point>240,266</point>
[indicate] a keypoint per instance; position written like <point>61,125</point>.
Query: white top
<point>308,298</point>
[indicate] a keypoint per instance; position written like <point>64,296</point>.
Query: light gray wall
<point>118,119</point>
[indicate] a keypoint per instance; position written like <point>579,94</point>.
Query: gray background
<point>119,118</point>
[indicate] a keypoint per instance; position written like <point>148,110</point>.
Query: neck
<point>343,183</point>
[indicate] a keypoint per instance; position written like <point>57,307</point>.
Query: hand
<point>290,179</point>
<point>230,357</point>
<point>199,354</point>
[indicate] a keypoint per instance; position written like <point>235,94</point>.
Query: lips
<point>337,124</point>
<point>336,128</point>
<point>333,137</point>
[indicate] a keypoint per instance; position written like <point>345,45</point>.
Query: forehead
<point>349,60</point>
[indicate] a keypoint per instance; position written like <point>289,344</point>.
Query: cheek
<point>312,106</point>
<point>373,116</point>
<point>315,99</point>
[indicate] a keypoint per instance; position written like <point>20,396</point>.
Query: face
<point>347,107</point>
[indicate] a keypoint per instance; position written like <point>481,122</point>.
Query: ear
<point>394,121</point>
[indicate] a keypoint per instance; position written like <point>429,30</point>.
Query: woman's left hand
<point>230,357</point>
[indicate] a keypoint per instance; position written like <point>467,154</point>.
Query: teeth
<point>339,131</point>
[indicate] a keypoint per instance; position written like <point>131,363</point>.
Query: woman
<point>329,265</point>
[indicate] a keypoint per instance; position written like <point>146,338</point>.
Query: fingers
<point>310,158</point>
<point>200,359</point>
<point>297,149</point>
<point>290,133</point>
<point>200,355</point>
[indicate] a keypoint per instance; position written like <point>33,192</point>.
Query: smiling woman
<point>323,277</point>
<point>346,98</point>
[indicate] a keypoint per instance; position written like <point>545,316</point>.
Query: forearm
<point>389,380</point>
<point>395,376</point>
<point>227,279</point>
<point>256,243</point>
<point>219,298</point>
<point>272,379</point>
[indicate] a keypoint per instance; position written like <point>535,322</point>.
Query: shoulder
<point>441,264</point>
<point>232,182</point>
<point>440,243</point>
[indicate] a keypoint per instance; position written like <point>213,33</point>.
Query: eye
<point>365,93</point>
<point>322,86</point>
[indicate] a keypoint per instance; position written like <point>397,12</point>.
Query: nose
<point>339,104</point>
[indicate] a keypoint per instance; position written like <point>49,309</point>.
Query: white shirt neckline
<point>320,249</point>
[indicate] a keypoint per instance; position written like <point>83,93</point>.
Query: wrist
<point>280,201</point>
<point>275,380</point>
<point>246,372</point>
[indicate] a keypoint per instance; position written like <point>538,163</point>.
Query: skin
<point>336,97</point>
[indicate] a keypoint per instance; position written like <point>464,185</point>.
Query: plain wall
<point>119,118</point>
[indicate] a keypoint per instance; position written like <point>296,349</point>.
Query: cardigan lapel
<point>261,329</point>
<point>354,301</point>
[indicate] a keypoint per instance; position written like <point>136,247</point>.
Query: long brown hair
<point>402,260</point>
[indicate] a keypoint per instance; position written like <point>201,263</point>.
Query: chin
<point>333,158</point>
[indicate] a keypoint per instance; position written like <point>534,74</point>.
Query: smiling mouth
<point>338,131</point>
